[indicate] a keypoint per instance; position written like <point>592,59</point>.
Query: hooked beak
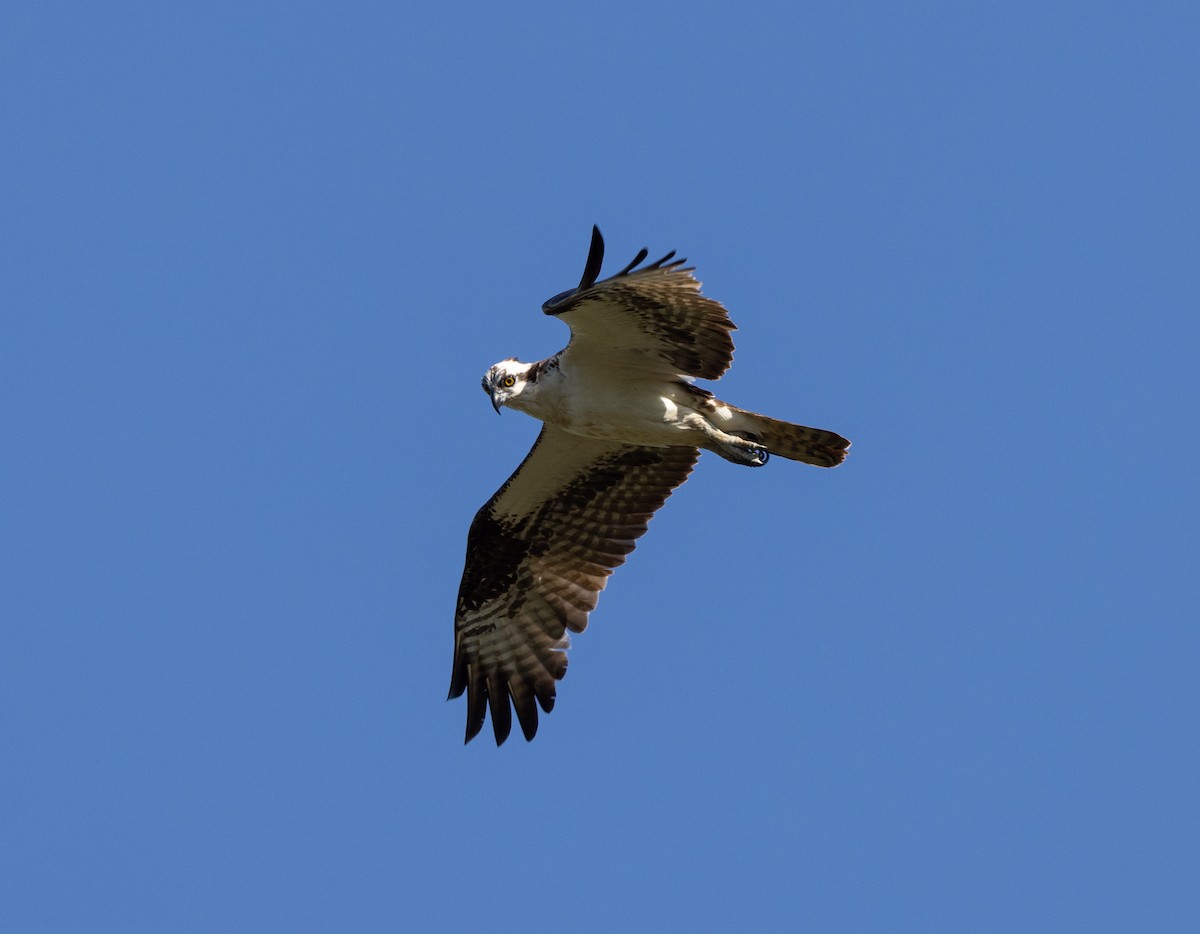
<point>492,390</point>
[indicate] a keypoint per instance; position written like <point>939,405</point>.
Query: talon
<point>746,453</point>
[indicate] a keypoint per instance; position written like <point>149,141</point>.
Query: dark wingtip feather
<point>642,254</point>
<point>665,262</point>
<point>591,270</point>
<point>545,691</point>
<point>527,716</point>
<point>501,709</point>
<point>476,708</point>
<point>458,675</point>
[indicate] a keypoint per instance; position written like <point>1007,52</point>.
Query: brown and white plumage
<point>538,555</point>
<point>623,428</point>
<point>653,319</point>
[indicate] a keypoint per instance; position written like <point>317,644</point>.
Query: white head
<point>505,381</point>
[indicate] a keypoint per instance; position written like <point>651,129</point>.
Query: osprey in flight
<point>623,425</point>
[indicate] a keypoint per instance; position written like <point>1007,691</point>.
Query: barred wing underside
<point>538,555</point>
<point>652,319</point>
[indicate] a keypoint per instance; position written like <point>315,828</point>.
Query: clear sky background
<point>255,258</point>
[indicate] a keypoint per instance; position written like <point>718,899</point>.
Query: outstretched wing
<point>653,319</point>
<point>538,555</point>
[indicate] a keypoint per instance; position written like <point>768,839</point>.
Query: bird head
<point>505,381</point>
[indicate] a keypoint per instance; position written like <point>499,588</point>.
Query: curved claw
<point>740,451</point>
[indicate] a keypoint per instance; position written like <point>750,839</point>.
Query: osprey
<point>623,426</point>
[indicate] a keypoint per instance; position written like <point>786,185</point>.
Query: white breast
<point>640,411</point>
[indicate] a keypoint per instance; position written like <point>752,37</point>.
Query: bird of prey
<point>623,425</point>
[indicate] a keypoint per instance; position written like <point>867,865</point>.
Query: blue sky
<point>256,258</point>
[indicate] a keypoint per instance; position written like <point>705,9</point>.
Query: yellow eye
<point>508,382</point>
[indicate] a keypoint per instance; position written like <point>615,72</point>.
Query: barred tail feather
<point>796,442</point>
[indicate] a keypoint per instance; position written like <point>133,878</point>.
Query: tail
<point>796,442</point>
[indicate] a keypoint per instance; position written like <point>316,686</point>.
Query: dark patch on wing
<point>494,555</point>
<point>536,370</point>
<point>532,576</point>
<point>603,476</point>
